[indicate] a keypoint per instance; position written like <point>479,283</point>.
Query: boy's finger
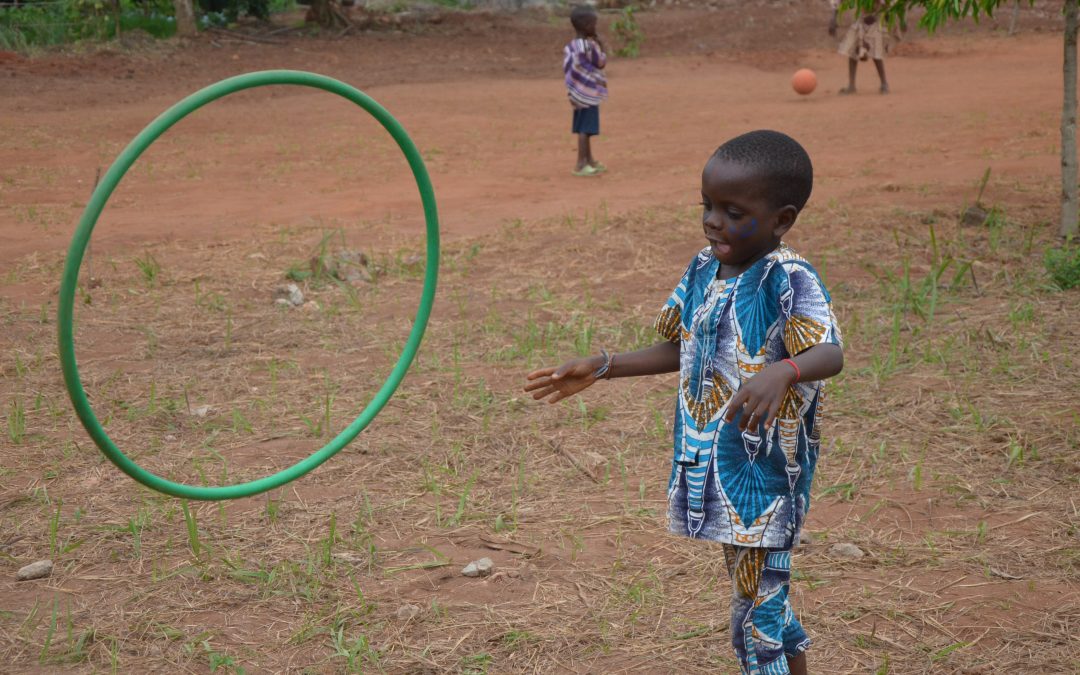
<point>533,386</point>
<point>774,410</point>
<point>562,371</point>
<point>538,395</point>
<point>539,373</point>
<point>734,404</point>
<point>770,419</point>
<point>744,421</point>
<point>761,413</point>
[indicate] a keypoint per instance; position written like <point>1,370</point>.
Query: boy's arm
<point>600,59</point>
<point>662,357</point>
<point>820,362</point>
<point>760,397</point>
<point>555,384</point>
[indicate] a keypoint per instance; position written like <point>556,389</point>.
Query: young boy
<point>751,331</point>
<point>865,39</point>
<point>584,59</point>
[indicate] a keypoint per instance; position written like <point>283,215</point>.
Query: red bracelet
<point>798,373</point>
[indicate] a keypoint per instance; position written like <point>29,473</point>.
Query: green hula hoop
<point>93,210</point>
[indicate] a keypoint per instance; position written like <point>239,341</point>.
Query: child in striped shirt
<point>584,59</point>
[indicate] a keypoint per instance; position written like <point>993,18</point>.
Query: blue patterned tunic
<point>729,486</point>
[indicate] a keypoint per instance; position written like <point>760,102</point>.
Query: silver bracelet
<point>604,371</point>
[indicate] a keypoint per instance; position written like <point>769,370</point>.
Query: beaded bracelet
<point>604,371</point>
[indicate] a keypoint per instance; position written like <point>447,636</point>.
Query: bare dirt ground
<point>953,432</point>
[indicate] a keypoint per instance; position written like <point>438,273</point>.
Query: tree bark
<point>185,18</point>
<point>1069,204</point>
<point>328,14</point>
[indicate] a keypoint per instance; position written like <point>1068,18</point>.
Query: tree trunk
<point>185,18</point>
<point>328,14</point>
<point>1069,205</point>
<point>1012,20</point>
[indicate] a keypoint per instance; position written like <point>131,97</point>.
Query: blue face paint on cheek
<point>748,230</point>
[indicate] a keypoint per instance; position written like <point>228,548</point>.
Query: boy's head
<point>753,188</point>
<point>583,19</point>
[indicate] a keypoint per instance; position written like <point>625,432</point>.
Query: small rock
<point>201,411</point>
<point>291,295</point>
<point>358,274</point>
<point>478,568</point>
<point>36,570</point>
<point>406,612</point>
<point>974,216</point>
<point>808,538</point>
<point>846,550</point>
<point>256,256</point>
<point>311,306</point>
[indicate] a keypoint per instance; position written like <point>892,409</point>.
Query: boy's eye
<point>734,213</point>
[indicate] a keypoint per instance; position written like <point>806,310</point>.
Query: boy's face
<point>740,221</point>
<point>587,25</point>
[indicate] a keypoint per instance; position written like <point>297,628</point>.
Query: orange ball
<point>804,81</point>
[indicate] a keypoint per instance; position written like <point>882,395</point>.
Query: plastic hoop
<point>93,210</point>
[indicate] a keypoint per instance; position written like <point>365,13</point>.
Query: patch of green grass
<point>1063,265</point>
<point>16,421</point>
<point>356,651</point>
<point>150,269</point>
<point>476,664</point>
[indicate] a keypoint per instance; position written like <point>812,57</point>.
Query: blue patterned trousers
<point>764,630</point>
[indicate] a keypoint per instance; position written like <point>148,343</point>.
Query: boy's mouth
<point>720,247</point>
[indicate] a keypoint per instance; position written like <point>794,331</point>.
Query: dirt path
<point>499,148</point>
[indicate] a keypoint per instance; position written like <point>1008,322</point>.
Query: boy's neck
<point>582,36</point>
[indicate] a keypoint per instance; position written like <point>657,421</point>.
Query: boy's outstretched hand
<point>760,397</point>
<point>555,384</point>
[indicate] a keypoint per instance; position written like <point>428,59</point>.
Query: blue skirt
<point>587,121</point>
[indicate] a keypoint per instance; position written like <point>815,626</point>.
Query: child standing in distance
<point>584,59</point>
<point>751,331</point>
<point>865,39</point>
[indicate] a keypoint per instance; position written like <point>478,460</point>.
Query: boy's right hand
<point>555,384</point>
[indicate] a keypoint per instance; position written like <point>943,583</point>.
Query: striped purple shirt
<point>583,63</point>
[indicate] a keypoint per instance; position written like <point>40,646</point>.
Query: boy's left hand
<point>760,397</point>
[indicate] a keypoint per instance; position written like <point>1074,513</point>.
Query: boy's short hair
<point>580,14</point>
<point>781,161</point>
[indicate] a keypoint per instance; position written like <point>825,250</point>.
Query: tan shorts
<point>863,42</point>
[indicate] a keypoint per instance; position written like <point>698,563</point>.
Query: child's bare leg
<point>592,160</point>
<point>797,664</point>
<point>880,65</point>
<point>852,64</point>
<point>583,151</point>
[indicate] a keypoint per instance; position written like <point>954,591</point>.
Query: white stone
<point>846,550</point>
<point>479,568</point>
<point>35,570</point>
<point>289,295</point>
<point>406,612</point>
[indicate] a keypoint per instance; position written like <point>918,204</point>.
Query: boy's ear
<point>785,218</point>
